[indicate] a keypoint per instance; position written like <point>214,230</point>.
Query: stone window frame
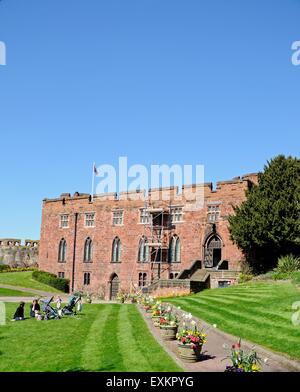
<point>142,279</point>
<point>61,274</point>
<point>175,214</point>
<point>86,278</point>
<point>175,249</point>
<point>118,217</point>
<point>88,250</point>
<point>143,250</point>
<point>213,212</point>
<point>62,251</point>
<point>89,219</point>
<point>145,218</point>
<point>116,254</point>
<point>64,220</point>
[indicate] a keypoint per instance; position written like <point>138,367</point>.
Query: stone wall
<point>14,254</point>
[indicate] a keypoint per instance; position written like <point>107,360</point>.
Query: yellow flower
<point>255,368</point>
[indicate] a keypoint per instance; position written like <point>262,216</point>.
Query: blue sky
<point>159,81</point>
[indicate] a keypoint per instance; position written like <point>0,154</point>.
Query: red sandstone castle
<point>112,242</point>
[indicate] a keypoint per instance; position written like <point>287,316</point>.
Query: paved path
<point>40,293</point>
<point>214,352</point>
<point>28,290</point>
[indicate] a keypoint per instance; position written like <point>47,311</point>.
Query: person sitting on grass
<point>19,313</point>
<point>34,308</point>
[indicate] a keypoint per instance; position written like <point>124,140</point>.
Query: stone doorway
<point>212,251</point>
<point>114,287</point>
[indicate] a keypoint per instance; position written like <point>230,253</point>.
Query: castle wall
<point>14,254</point>
<point>192,231</point>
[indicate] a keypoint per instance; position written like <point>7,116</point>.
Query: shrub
<point>4,268</point>
<point>245,277</point>
<point>51,280</point>
<point>288,263</point>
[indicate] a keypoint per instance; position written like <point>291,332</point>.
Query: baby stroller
<point>69,308</point>
<point>49,312</point>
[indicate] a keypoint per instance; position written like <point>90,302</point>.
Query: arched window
<point>142,279</point>
<point>116,250</point>
<point>88,250</point>
<point>143,256</point>
<point>175,250</point>
<point>86,278</point>
<point>62,251</point>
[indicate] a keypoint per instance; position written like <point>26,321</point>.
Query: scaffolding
<point>156,235</point>
<point>156,232</point>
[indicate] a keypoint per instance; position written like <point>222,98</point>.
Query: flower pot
<point>168,332</point>
<point>189,352</point>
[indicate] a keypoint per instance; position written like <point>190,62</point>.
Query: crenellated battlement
<point>164,193</point>
<point>16,242</point>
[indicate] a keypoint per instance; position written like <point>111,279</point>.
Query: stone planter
<point>155,320</point>
<point>188,353</point>
<point>168,332</point>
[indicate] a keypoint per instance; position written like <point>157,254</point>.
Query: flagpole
<point>93,180</point>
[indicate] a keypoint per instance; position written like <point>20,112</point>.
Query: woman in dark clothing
<point>34,308</point>
<point>19,313</point>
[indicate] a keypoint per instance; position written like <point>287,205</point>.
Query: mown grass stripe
<point>153,353</point>
<point>263,333</point>
<point>101,350</point>
<point>240,326</point>
<point>134,357</point>
<point>248,316</point>
<point>280,316</point>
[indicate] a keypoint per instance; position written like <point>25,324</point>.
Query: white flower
<point>189,316</point>
<point>266,360</point>
<point>193,322</point>
<point>225,345</point>
<point>178,307</point>
<point>169,308</point>
<point>215,325</point>
<point>183,324</point>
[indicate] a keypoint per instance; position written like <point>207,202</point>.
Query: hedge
<point>51,280</point>
<point>7,268</point>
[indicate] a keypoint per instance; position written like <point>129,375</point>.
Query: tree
<point>267,225</point>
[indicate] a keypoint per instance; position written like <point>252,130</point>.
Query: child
<point>34,308</point>
<point>79,305</point>
<point>58,303</point>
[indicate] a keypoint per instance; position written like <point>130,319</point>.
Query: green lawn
<point>15,293</point>
<point>257,311</point>
<point>103,338</point>
<point>24,279</point>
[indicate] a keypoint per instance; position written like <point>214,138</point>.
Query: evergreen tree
<point>267,225</point>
